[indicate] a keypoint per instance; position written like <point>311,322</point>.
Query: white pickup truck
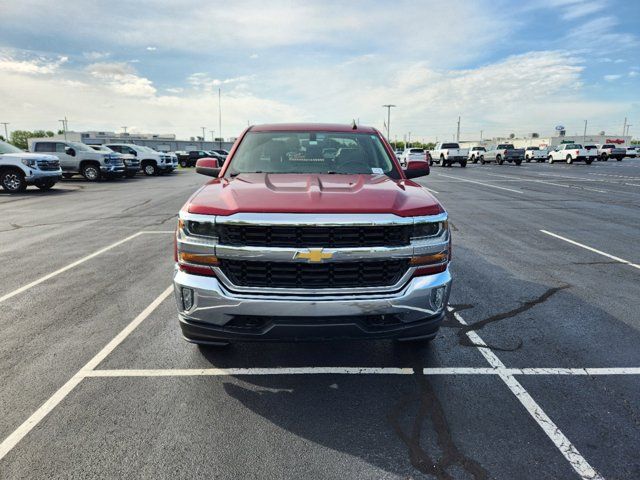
<point>446,154</point>
<point>609,150</point>
<point>535,153</point>
<point>570,152</point>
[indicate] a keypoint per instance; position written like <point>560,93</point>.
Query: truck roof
<point>310,127</point>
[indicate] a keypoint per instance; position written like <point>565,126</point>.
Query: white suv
<point>19,169</point>
<point>151,162</point>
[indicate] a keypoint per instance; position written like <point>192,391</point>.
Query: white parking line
<point>591,249</point>
<point>550,183</point>
<point>220,372</point>
<point>480,183</point>
<point>562,443</point>
<point>26,287</point>
<point>12,440</point>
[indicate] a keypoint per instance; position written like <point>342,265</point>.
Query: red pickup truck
<point>311,231</point>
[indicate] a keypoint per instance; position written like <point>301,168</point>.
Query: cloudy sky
<point>156,66</point>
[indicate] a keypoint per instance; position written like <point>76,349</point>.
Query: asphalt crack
<point>465,341</point>
<point>430,409</point>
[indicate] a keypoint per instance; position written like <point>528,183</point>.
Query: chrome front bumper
<point>37,175</point>
<point>216,309</point>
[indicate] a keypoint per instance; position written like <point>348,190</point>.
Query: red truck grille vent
<point>307,275</point>
<point>313,236</point>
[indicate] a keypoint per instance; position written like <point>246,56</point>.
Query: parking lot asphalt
<point>543,381</point>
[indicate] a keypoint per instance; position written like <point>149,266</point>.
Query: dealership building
<point>160,142</point>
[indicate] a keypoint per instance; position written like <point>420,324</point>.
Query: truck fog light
<point>437,298</point>
<point>187,298</point>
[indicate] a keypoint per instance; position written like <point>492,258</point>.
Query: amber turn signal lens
<point>429,259</point>
<point>197,259</point>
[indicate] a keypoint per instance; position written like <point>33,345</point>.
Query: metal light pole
<point>125,129</point>
<point>212,137</point>
<point>584,135</point>
<point>409,140</point>
<point>388,107</point>
<point>203,138</point>
<point>64,127</point>
<point>458,131</point>
<point>219,121</point>
<point>6,132</point>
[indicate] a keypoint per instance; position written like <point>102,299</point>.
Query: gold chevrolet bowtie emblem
<point>314,255</point>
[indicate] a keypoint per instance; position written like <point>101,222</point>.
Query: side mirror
<point>70,151</point>
<point>208,167</point>
<point>417,169</point>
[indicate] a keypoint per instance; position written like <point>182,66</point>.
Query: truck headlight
<point>430,229</point>
<point>29,162</point>
<point>201,229</point>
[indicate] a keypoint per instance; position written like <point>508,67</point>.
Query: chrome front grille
<point>308,275</point>
<point>315,236</point>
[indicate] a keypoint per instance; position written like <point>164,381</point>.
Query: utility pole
<point>584,135</point>
<point>124,128</point>
<point>481,134</point>
<point>213,139</point>
<point>388,107</point>
<point>458,131</point>
<point>624,128</point>
<point>409,140</point>
<point>203,138</point>
<point>64,127</point>
<point>219,120</point>
<point>6,132</point>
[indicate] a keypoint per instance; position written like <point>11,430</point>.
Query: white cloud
<point>95,56</point>
<point>611,78</point>
<point>633,73</point>
<point>253,56</point>
<point>31,66</point>
<point>122,79</point>
<point>151,49</point>
<point>582,9</point>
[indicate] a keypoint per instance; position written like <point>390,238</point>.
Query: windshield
<point>80,147</point>
<point>312,152</point>
<point>533,148</point>
<point>416,150</point>
<point>505,146</point>
<point>450,145</point>
<point>8,148</point>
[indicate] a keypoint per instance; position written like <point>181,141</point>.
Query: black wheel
<point>184,163</point>
<point>569,159</point>
<point>528,159</point>
<point>482,162</point>
<point>442,163</point>
<point>499,160</point>
<point>463,164</point>
<point>603,157</point>
<point>45,185</point>
<point>473,159</point>
<point>67,175</point>
<point>518,162</point>
<point>91,172</point>
<point>550,159</point>
<point>13,181</point>
<point>150,169</point>
<point>588,161</point>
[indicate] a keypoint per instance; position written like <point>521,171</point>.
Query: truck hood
<point>36,156</point>
<point>312,193</point>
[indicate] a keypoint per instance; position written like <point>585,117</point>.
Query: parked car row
<point>48,161</point>
<point>189,159</point>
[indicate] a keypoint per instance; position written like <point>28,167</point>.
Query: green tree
<point>49,133</point>
<point>19,138</point>
<point>2,138</point>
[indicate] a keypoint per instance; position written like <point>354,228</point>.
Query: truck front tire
<point>91,172</point>
<point>569,159</point>
<point>518,162</point>
<point>482,162</point>
<point>499,160</point>
<point>550,159</point>
<point>463,163</point>
<point>150,169</point>
<point>13,181</point>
